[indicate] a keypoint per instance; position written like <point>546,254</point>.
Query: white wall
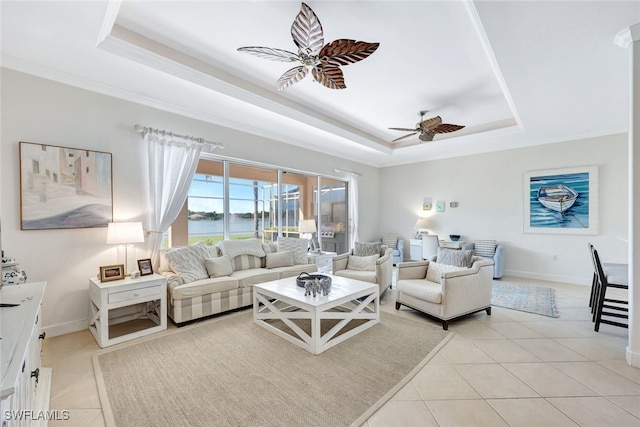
<point>41,111</point>
<point>489,191</point>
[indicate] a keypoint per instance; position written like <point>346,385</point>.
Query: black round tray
<point>303,277</point>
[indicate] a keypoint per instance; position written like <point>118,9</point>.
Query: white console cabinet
<point>26,385</point>
<point>415,249</point>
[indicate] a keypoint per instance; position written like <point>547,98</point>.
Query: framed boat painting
<point>62,187</point>
<point>561,201</point>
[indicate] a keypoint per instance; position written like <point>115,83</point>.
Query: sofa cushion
<point>246,262</point>
<point>254,276</point>
<point>297,246</point>
<point>436,269</point>
<point>204,287</point>
<point>424,290</point>
<point>365,276</point>
<point>454,257</point>
<point>485,248</point>
<point>367,249</point>
<point>220,266</point>
<point>362,263</point>
<point>295,270</point>
<point>234,248</point>
<point>279,259</point>
<point>188,262</point>
<point>390,240</point>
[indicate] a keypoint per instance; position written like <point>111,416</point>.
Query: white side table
<point>148,292</point>
<point>415,249</point>
<point>323,260</point>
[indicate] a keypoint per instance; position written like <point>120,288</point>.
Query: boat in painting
<point>557,197</point>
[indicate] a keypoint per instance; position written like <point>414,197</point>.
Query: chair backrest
<point>430,245</point>
<point>598,267</point>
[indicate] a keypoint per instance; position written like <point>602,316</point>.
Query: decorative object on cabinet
<point>62,187</point>
<point>11,273</point>
<point>426,204</point>
<point>421,227</point>
<point>440,206</point>
<point>145,267</point>
<point>454,237</point>
<point>111,272</point>
<point>105,300</point>
<point>125,234</point>
<point>561,201</point>
<point>25,385</point>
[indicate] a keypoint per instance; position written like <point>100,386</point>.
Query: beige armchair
<point>381,275</point>
<point>458,292</point>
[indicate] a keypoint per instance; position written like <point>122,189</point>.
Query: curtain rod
<point>347,172</point>
<point>144,130</point>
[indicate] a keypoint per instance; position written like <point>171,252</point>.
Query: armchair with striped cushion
<point>489,249</point>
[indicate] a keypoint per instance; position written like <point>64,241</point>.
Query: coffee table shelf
<point>349,301</point>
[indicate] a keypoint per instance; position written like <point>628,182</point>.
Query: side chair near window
<point>608,310</point>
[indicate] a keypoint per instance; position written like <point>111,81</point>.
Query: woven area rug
<point>231,372</point>
<point>532,299</point>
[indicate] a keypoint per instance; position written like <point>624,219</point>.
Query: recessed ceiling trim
<point>131,45</point>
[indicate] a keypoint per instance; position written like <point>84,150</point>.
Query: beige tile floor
<point>507,369</point>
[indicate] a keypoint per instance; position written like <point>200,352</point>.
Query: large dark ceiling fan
<point>428,128</point>
<point>322,60</point>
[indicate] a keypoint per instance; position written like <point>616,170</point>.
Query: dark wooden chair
<point>611,269</point>
<point>608,309</point>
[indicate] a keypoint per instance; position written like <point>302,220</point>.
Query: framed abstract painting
<point>62,187</point>
<point>561,201</point>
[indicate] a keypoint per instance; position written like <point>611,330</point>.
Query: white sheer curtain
<point>353,210</point>
<point>172,164</point>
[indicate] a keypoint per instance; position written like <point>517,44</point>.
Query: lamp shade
<point>308,226</point>
<point>421,224</point>
<point>124,232</point>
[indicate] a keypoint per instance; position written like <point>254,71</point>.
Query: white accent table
<point>145,297</point>
<point>282,300</point>
<point>415,249</point>
<point>323,260</point>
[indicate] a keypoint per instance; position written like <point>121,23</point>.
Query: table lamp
<point>308,227</point>
<point>421,227</point>
<point>125,234</point>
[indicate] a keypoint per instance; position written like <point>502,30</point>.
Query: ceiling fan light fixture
<point>322,60</point>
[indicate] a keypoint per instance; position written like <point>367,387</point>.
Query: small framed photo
<point>145,267</point>
<point>111,272</point>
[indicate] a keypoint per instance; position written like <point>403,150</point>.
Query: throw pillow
<point>233,248</point>
<point>486,248</point>
<point>297,246</point>
<point>219,266</point>
<point>280,259</point>
<point>453,257</point>
<point>188,262</point>
<point>390,240</point>
<point>362,263</point>
<point>367,249</point>
<point>436,269</point>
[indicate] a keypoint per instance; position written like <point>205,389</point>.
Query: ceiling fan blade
<point>270,53</point>
<point>403,137</point>
<point>330,77</point>
<point>431,123</point>
<point>405,129</point>
<point>306,30</point>
<point>292,76</point>
<point>426,136</point>
<point>446,128</point>
<point>346,51</point>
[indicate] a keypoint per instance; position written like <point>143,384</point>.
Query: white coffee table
<point>349,300</point>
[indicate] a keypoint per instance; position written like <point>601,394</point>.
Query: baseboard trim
<point>66,328</point>
<point>548,277</point>
<point>633,359</point>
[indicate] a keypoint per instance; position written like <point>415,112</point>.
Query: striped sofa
<point>191,296</point>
